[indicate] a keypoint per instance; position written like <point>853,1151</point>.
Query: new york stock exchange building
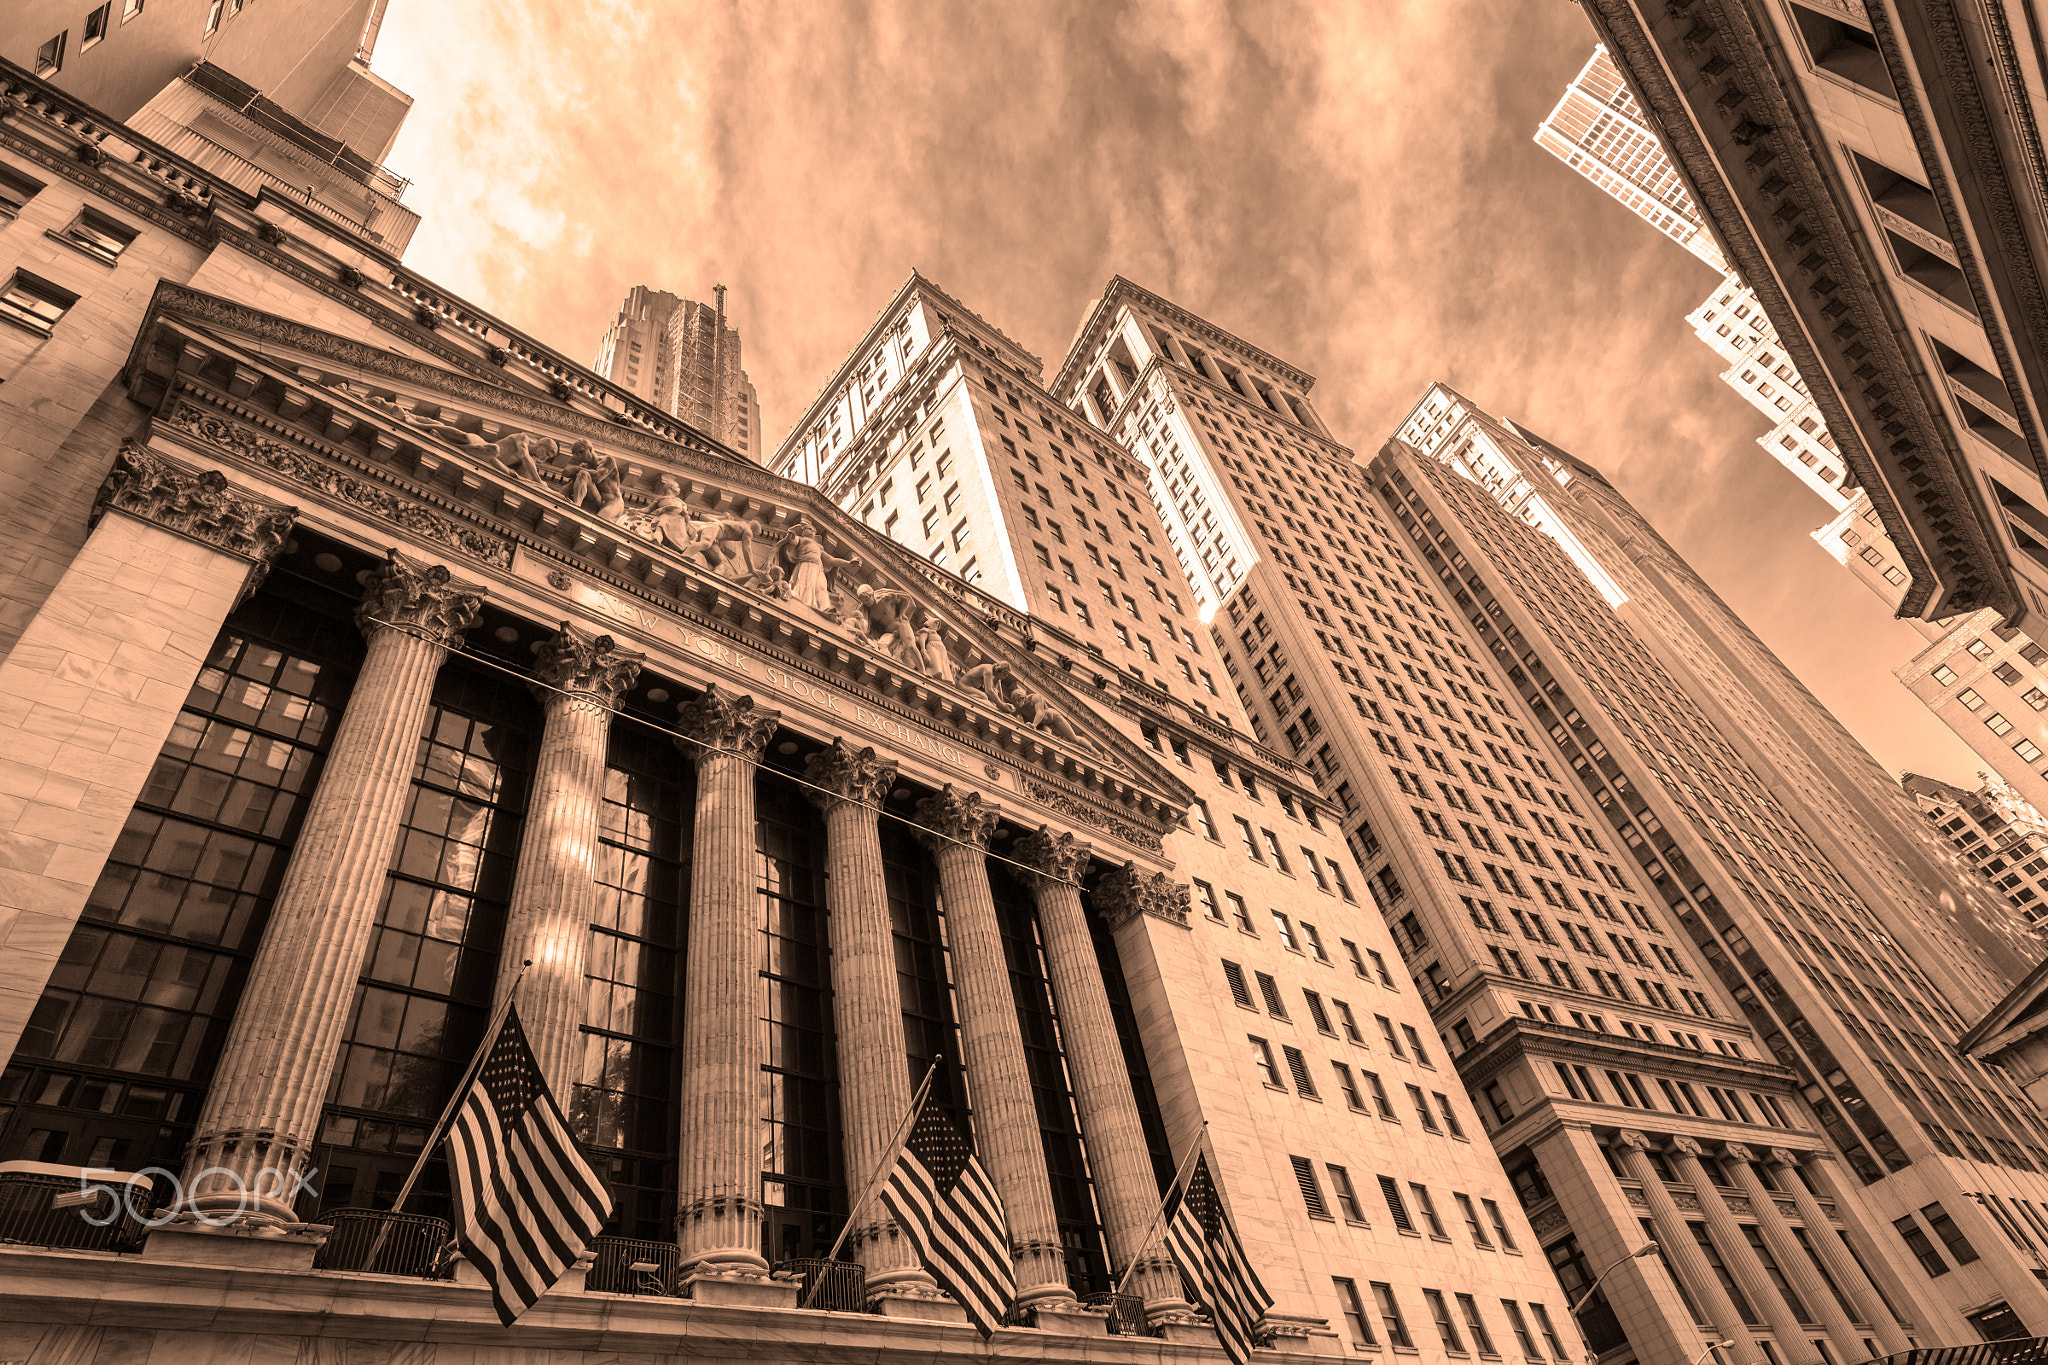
<point>363,657</point>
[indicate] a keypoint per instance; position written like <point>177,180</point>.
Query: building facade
<point>1994,828</point>
<point>633,352</point>
<point>1860,165</point>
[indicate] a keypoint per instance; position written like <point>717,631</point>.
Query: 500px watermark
<point>93,1196</point>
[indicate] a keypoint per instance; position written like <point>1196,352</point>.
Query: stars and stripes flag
<point>946,1205</point>
<point>526,1203</point>
<point>1205,1244</point>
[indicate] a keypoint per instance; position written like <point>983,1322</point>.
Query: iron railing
<point>2015,1351</point>
<point>114,1220</point>
<point>1126,1313</point>
<point>836,1286</point>
<point>380,1242</point>
<point>612,1271</point>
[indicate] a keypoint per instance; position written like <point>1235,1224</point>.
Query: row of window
<point>1391,1327</point>
<point>28,300</point>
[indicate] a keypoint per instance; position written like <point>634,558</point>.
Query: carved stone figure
<point>809,566</point>
<point>719,534</point>
<point>593,477</point>
<point>1032,709</point>
<point>521,452</point>
<point>932,645</point>
<point>992,681</point>
<point>893,618</point>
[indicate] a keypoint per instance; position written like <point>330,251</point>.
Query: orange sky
<point>1353,187</point>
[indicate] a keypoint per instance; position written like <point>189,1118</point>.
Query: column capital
<point>1055,857</point>
<point>1684,1146</point>
<point>955,817</point>
<point>848,775</point>
<point>1739,1151</point>
<point>199,504</point>
<point>418,597</point>
<point>1629,1137</point>
<point>1125,893</point>
<point>574,660</point>
<point>718,722</point>
<point>1784,1156</point>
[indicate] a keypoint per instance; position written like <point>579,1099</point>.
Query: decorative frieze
<point>1054,856</point>
<point>1054,799</point>
<point>199,504</point>
<point>301,468</point>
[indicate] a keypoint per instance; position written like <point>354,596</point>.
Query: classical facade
<point>375,658</point>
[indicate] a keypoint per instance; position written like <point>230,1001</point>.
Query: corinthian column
<point>578,678</point>
<point>1675,1237</point>
<point>263,1110</point>
<point>1126,1190</point>
<point>1792,1258</point>
<point>718,1219</point>
<point>956,829</point>
<point>874,1081</point>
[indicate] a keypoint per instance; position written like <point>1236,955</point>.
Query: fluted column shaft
<point>1821,1233</point>
<point>1735,1251</point>
<point>999,1079</point>
<point>1928,1318</point>
<point>263,1110</point>
<point>874,1080</point>
<point>1676,1239</point>
<point>1126,1190</point>
<point>718,1219</point>
<point>554,892</point>
<point>1793,1260</point>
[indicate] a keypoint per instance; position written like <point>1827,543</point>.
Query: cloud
<point>1353,188</point>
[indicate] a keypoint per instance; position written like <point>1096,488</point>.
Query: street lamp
<point>1646,1249</point>
<point>1711,1346</point>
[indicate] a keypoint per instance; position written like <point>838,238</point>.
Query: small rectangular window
<point>1269,991</point>
<point>1347,1197</point>
<point>1311,1190</point>
<point>1390,1316</point>
<point>50,56</point>
<point>1297,1067</point>
<point>1262,1057</point>
<point>1239,991</point>
<point>16,190</point>
<point>34,303</point>
<point>96,25</point>
<point>1355,1316</point>
<point>1396,1206</point>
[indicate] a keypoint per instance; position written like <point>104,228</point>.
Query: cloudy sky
<point>1353,187</point>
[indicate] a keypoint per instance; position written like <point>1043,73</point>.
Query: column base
<point>1069,1319</point>
<point>1302,1336</point>
<point>931,1305</point>
<point>251,1247</point>
<point>1185,1333</point>
<point>741,1291</point>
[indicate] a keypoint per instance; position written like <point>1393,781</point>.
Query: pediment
<point>494,472</point>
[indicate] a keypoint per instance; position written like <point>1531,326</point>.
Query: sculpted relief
<point>793,565</point>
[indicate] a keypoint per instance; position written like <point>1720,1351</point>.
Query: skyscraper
<point>1599,131</point>
<point>1356,1154</point>
<point>680,355</point>
<point>1994,828</point>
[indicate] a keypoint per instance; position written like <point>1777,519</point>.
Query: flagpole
<point>917,1103</point>
<point>1186,1163</point>
<point>461,1089</point>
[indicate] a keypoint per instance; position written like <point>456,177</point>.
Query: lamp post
<point>1646,1249</point>
<point>1711,1346</point>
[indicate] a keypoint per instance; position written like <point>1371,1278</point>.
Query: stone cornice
<point>1105,307</point>
<point>1518,1039</point>
<point>1849,333</point>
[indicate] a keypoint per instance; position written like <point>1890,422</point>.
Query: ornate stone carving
<point>1637,1197</point>
<point>719,723</point>
<point>848,774</point>
<point>955,817</point>
<point>1055,799</point>
<point>1055,856</point>
<point>410,594</point>
<point>1629,1137</point>
<point>1784,1156</point>
<point>1547,1221</point>
<point>1686,1199</point>
<point>1685,1146</point>
<point>1125,893</point>
<point>302,468</point>
<point>1738,1152</point>
<point>574,660</point>
<point>198,504</point>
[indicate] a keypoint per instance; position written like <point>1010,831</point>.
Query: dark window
<point>16,190</point>
<point>32,302</point>
<point>1845,49</point>
<point>1239,991</point>
<point>1951,1236</point>
<point>1396,1206</point>
<point>1311,1189</point>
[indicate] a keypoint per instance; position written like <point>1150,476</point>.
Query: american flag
<point>944,1203</point>
<point>1208,1250</point>
<point>526,1203</point>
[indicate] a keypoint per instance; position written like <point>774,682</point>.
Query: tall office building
<point>1599,131</point>
<point>1353,1175</point>
<point>680,355</point>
